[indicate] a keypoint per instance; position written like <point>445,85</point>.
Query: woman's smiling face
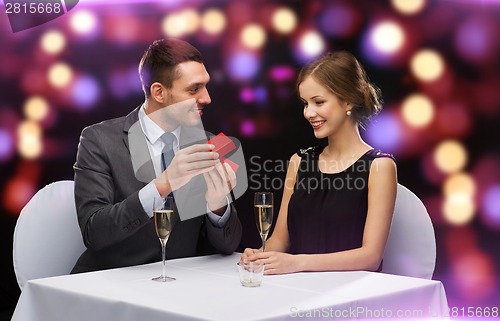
<point>322,109</point>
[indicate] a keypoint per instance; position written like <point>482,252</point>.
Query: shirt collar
<point>151,130</point>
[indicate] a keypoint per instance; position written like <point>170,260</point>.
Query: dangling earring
<point>348,113</point>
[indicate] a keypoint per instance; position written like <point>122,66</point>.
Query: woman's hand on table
<point>274,262</point>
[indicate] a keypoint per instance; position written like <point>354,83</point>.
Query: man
<point>119,171</point>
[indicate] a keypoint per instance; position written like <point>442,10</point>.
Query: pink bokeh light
<point>19,189</point>
<point>474,272</point>
<point>247,128</point>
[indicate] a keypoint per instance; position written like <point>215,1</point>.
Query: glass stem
<point>263,243</point>
<point>163,246</point>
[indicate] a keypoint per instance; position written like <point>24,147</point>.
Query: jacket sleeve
<point>225,239</point>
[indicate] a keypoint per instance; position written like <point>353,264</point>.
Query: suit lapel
<point>136,144</point>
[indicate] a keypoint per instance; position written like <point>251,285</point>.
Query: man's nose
<point>204,98</point>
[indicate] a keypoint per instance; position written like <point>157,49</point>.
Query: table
<point>208,288</point>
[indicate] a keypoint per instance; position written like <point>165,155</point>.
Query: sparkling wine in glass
<point>163,211</point>
<point>263,209</point>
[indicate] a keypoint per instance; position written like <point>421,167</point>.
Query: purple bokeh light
<point>247,128</point>
<point>339,20</point>
<point>491,207</point>
<point>247,95</point>
<point>282,73</point>
<point>124,82</point>
<point>385,133</point>
<point>6,145</point>
<point>473,40</point>
<point>85,92</point>
<point>242,66</point>
<point>260,94</point>
<point>251,95</point>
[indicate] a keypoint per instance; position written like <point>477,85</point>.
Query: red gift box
<point>223,146</point>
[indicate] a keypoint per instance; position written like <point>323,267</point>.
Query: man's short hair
<point>159,62</point>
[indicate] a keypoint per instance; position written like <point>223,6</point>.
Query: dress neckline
<point>348,167</point>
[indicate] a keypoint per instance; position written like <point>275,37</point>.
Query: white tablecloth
<point>208,288</point>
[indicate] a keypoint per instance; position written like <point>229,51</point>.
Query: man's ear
<point>157,91</point>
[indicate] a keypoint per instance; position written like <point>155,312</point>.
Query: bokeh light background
<point>437,63</point>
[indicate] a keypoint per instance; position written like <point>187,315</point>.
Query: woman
<point>338,202</point>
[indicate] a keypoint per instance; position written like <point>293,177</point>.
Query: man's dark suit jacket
<point>116,230</point>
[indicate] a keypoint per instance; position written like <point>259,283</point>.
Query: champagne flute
<point>163,211</point>
<point>263,209</point>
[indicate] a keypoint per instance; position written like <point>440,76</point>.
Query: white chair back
<point>411,246</point>
<point>47,238</point>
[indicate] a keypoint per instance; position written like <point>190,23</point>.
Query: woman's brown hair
<point>342,74</point>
